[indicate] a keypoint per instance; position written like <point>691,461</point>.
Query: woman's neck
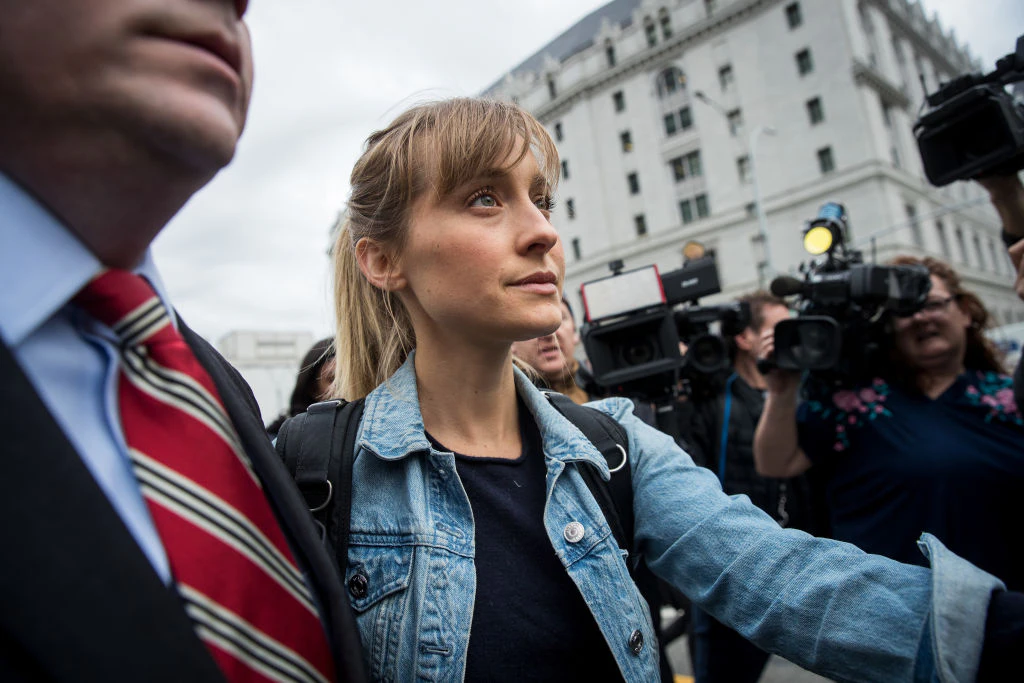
<point>934,381</point>
<point>468,399</point>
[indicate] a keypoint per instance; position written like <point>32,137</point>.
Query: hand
<point>1017,257</point>
<point>1007,196</point>
<point>779,381</point>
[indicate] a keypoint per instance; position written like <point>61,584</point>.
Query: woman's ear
<point>378,266</point>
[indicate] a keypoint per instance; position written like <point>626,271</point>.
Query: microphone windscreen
<point>785,285</point>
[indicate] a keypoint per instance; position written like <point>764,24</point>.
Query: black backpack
<point>324,474</point>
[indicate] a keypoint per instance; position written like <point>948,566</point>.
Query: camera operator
<point>720,437</point>
<point>934,443</point>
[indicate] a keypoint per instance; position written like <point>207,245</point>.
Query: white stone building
<point>269,362</point>
<point>649,164</point>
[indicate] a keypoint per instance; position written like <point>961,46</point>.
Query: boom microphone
<point>784,286</point>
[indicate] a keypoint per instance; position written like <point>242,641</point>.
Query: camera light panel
<point>624,293</point>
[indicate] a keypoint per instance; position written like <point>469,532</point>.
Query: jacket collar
<point>392,425</point>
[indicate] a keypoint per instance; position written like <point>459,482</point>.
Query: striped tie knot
<point>126,303</point>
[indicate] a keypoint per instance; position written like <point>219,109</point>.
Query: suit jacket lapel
<point>292,513</point>
<point>80,599</point>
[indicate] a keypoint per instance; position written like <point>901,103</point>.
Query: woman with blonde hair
<point>476,551</point>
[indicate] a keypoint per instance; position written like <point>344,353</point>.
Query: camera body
<point>974,127</point>
<point>636,320</point>
<point>844,305</point>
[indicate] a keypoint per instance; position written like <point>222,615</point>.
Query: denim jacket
<point>824,605</point>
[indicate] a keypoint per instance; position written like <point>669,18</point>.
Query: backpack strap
<point>318,449</point>
<point>615,496</point>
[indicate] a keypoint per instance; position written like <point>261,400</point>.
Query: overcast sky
<point>248,253</point>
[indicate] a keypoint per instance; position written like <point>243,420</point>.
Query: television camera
<point>636,320</point>
<point>844,305</point>
<point>974,127</point>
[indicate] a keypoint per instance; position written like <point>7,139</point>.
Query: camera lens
<point>638,353</point>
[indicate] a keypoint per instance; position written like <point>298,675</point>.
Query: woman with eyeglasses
<point>934,443</point>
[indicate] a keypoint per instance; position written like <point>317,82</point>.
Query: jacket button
<point>574,532</point>
<point>636,642</point>
<point>358,584</point>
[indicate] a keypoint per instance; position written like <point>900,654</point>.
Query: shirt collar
<point>43,265</point>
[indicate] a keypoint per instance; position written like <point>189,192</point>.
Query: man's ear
<point>744,342</point>
<point>378,266</point>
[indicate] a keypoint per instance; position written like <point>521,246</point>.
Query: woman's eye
<point>485,200</point>
<point>545,203</point>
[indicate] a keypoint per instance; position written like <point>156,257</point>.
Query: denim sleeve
<point>823,604</point>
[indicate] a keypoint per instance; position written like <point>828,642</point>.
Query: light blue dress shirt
<point>70,358</point>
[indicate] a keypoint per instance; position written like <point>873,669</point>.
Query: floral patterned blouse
<point>896,463</point>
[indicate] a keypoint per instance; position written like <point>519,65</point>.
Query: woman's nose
<point>538,232</point>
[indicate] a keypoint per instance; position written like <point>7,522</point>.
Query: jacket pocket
<point>377,580</point>
<point>375,572</point>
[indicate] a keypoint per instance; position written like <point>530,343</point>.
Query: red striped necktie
<point>230,560</point>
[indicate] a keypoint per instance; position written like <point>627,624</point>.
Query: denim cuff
<point>960,597</point>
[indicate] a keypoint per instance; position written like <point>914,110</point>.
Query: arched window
<point>670,81</point>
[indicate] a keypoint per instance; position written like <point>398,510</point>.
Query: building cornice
<point>660,54</point>
<point>909,30</point>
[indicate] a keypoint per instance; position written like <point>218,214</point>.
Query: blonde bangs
<point>463,139</point>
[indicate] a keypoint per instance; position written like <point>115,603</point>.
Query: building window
<point>977,250</point>
<point>552,90</point>
<point>558,132</point>
<point>751,210</point>
<point>725,77</point>
<point>814,111</point>
<point>633,180</point>
<point>693,166</point>
<point>735,118</point>
<point>793,16</point>
<point>686,209</point>
<point>996,267</point>
<point>619,100</point>
<point>670,80</point>
<point>940,230</point>
<point>804,63</point>
<point>576,255</point>
<point>825,161</point>
<point>961,245</point>
<point>651,32</point>
<point>701,202</point>
<point>685,118</point>
<point>565,169</point>
<point>627,141</point>
<point>710,6</point>
<point>743,168</point>
<point>570,208</point>
<point>640,223</point>
<point>670,124</point>
<point>678,169</point>
<point>915,226</point>
<point>609,53</point>
<point>666,24</point>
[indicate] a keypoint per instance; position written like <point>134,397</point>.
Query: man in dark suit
<point>113,113</point>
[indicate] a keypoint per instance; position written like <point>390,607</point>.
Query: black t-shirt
<point>529,620</point>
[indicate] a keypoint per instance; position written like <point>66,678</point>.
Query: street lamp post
<point>762,221</point>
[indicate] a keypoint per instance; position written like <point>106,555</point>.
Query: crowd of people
<point>154,533</point>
